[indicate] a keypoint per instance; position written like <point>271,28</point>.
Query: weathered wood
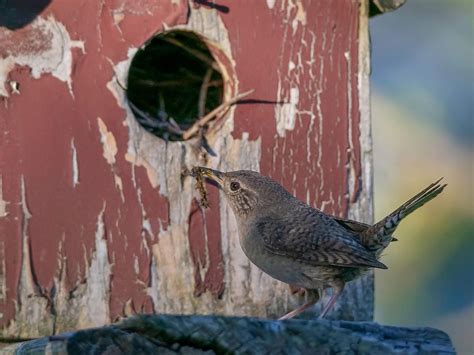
<point>95,220</point>
<point>219,335</point>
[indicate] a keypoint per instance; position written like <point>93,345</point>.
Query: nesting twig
<point>205,119</point>
<point>193,52</point>
<point>197,174</point>
<point>203,92</point>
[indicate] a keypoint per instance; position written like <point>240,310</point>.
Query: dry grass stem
<point>194,129</point>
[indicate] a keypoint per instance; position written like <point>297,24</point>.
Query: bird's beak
<point>213,175</point>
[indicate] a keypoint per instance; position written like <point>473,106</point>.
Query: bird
<point>301,245</point>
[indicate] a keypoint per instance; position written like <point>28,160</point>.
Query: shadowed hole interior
<point>172,81</point>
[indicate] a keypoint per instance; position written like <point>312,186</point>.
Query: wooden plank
<point>95,219</point>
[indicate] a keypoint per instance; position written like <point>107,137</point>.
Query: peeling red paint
<point>38,126</point>
<point>314,160</point>
<point>205,246</point>
<point>24,41</point>
<point>333,26</point>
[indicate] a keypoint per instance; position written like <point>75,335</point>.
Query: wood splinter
<point>194,129</point>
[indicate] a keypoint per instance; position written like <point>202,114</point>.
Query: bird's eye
<point>234,186</point>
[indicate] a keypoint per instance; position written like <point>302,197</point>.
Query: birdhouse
<point>104,103</point>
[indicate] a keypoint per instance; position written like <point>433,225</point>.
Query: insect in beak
<point>213,175</point>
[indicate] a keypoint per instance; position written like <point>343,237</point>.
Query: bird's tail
<point>378,236</point>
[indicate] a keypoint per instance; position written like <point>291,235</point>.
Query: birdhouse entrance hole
<point>172,81</point>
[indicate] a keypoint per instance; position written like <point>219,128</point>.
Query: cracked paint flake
<point>109,152</point>
<point>15,87</point>
<point>45,48</point>
<point>134,154</point>
<point>149,167</point>
<point>109,144</point>
<point>88,303</point>
<point>118,17</point>
<point>31,302</point>
<point>300,16</point>
<point>170,254</point>
<point>75,165</point>
<point>3,203</point>
<point>95,307</point>
<point>285,114</point>
<point>271,4</point>
<point>146,225</point>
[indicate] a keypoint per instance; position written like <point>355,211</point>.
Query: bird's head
<point>248,191</point>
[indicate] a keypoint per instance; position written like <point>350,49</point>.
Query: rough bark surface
<point>219,335</point>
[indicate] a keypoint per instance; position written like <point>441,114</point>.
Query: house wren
<point>301,245</point>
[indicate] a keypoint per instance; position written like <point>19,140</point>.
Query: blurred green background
<point>423,128</point>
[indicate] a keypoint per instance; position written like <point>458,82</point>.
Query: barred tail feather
<point>380,234</point>
<point>420,199</point>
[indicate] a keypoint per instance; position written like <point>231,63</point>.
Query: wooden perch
<point>169,334</point>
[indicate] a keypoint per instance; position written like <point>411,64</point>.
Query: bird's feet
<point>298,310</point>
<point>296,290</point>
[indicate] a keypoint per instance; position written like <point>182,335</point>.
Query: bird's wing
<point>350,225</point>
<point>355,227</point>
<point>314,239</point>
